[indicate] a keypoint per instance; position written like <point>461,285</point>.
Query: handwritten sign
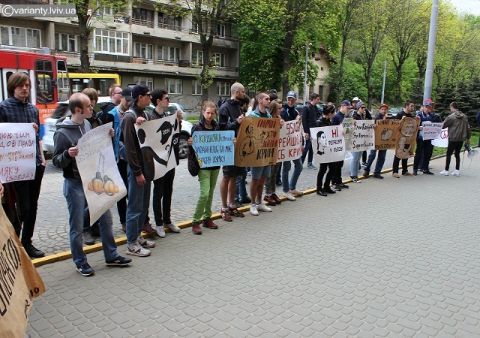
<point>19,284</point>
<point>290,145</point>
<point>442,140</point>
<point>408,137</point>
<point>386,134</point>
<point>17,152</point>
<point>102,183</point>
<point>431,130</point>
<point>257,142</point>
<point>328,143</point>
<point>214,148</point>
<point>363,136</point>
<point>159,141</point>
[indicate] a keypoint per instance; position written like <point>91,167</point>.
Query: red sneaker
<point>226,215</point>
<point>196,228</point>
<point>270,200</point>
<point>208,223</point>
<point>276,198</point>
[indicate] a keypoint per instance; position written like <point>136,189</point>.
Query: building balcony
<point>142,22</point>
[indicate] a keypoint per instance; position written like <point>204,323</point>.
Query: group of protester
<point>128,108</point>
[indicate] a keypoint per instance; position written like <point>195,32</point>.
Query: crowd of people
<point>128,108</point>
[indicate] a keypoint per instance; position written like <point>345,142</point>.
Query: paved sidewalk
<point>397,257</point>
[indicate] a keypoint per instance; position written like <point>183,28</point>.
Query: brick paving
<point>397,257</point>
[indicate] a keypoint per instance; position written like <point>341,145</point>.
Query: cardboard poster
<point>17,152</point>
<point>102,183</point>
<point>328,143</point>
<point>442,140</point>
<point>290,145</point>
<point>159,141</point>
<point>386,134</point>
<point>19,282</point>
<point>407,138</point>
<point>431,130</point>
<point>363,136</point>
<point>214,148</point>
<point>257,142</point>
<point>348,124</point>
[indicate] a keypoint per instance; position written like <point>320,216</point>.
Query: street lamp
<point>305,74</point>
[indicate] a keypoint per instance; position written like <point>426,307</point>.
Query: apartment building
<point>144,43</point>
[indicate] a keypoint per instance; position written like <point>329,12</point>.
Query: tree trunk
<point>84,35</point>
<point>286,62</point>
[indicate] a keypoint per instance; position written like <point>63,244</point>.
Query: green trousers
<point>208,181</point>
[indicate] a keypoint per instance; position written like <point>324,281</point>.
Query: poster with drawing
<point>17,152</point>
<point>102,183</point>
<point>328,143</point>
<point>407,138</point>
<point>386,134</point>
<point>363,135</point>
<point>257,142</point>
<point>348,125</point>
<point>159,142</point>
<point>442,140</point>
<point>290,145</point>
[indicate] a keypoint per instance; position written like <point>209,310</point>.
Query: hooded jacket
<point>228,114</point>
<point>67,135</point>
<point>458,128</point>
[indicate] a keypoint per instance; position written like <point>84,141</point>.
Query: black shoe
<point>88,238</point>
<point>378,176</point>
<point>344,186</point>
<point>428,172</point>
<point>366,174</point>
<point>415,173</point>
<point>119,261</point>
<point>85,270</point>
<point>337,187</point>
<point>329,191</point>
<point>321,193</point>
<point>33,252</point>
<point>245,200</point>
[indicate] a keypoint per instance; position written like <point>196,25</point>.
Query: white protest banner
<point>328,143</point>
<point>159,143</point>
<point>431,130</point>
<point>442,140</point>
<point>290,145</point>
<point>363,137</point>
<point>102,183</point>
<point>214,148</point>
<point>17,152</point>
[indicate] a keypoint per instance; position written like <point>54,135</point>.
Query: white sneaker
<point>160,231</point>
<point>263,207</point>
<point>290,197</point>
<point>296,193</point>
<point>173,228</point>
<point>444,172</point>
<point>146,243</point>
<point>137,250</point>
<point>456,173</point>
<point>253,210</point>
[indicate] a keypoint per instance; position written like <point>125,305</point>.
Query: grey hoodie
<point>458,128</point>
<point>67,135</point>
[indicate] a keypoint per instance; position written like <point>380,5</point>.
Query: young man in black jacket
<point>310,116</point>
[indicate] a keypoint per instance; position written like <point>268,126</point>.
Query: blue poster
<point>214,148</point>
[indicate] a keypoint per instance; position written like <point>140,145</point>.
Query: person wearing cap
<point>360,114</point>
<point>381,115</point>
<point>310,115</point>
<point>408,111</point>
<point>290,113</point>
<point>337,119</point>
<point>138,186</point>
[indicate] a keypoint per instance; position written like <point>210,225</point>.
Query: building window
<point>20,37</point>
<point>197,57</point>
<point>196,87</point>
<point>221,30</point>
<point>109,41</point>
<point>218,59</point>
<point>143,50</point>
<point>174,86</point>
<point>223,88</point>
<point>66,42</point>
<point>144,80</point>
<point>173,54</point>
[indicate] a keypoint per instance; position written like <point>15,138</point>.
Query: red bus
<point>48,88</point>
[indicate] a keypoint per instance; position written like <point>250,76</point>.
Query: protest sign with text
<point>431,130</point>
<point>17,152</point>
<point>328,143</point>
<point>407,138</point>
<point>363,136</point>
<point>290,145</point>
<point>257,142</point>
<point>214,148</point>
<point>102,183</point>
<point>442,140</point>
<point>159,142</point>
<point>386,134</point>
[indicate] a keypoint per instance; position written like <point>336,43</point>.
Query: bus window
<point>43,77</point>
<point>63,84</point>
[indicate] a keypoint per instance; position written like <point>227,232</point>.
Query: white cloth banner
<point>442,140</point>
<point>328,143</point>
<point>431,130</point>
<point>363,135</point>
<point>159,143</point>
<point>17,152</point>
<point>290,145</point>
<point>102,183</point>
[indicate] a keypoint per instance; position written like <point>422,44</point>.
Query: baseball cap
<point>360,104</point>
<point>292,94</point>
<point>356,99</point>
<point>127,93</point>
<point>428,103</point>
<point>384,105</point>
<point>138,90</point>
<point>345,103</point>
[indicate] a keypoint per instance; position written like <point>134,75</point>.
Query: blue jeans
<point>354,163</point>
<point>73,192</point>
<point>292,184</point>
<point>137,206</point>
<point>380,160</point>
<point>241,190</point>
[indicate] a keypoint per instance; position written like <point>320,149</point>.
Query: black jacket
<point>228,114</point>
<point>309,117</point>
<point>289,113</point>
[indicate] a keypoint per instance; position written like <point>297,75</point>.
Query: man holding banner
<point>381,116</point>
<point>408,112</point>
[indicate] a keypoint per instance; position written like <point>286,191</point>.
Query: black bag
<point>193,165</point>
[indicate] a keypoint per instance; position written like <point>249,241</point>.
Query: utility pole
<point>384,80</point>
<point>432,36</point>
<point>305,74</point>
